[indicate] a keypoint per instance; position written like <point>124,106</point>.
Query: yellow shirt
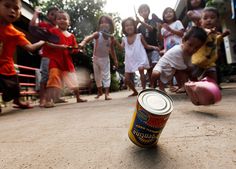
<point>207,55</point>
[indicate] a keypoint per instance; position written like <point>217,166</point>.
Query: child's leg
<point>107,93</point>
<point>10,88</point>
<point>181,77</point>
<point>54,85</point>
<point>44,78</point>
<point>155,76</point>
<point>77,94</point>
<point>211,74</point>
<point>49,97</point>
<point>100,92</point>
<point>130,83</point>
<point>142,77</point>
<point>42,94</point>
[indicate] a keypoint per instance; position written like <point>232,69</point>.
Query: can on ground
<point>152,111</point>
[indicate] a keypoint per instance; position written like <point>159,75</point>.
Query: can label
<point>146,127</point>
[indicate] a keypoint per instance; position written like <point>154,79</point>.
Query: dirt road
<point>93,135</point>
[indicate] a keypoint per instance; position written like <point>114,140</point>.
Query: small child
<point>61,68</point>
<point>171,32</point>
<point>51,23</point>
<point>10,38</point>
<point>150,30</point>
<point>194,11</point>
<point>172,29</point>
<point>175,61</point>
<point>204,60</point>
<point>103,45</point>
<point>135,55</point>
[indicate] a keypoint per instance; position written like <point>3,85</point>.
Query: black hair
<point>195,32</point>
<point>54,8</point>
<point>211,9</point>
<point>63,12</point>
<point>109,20</point>
<point>189,6</point>
<point>163,18</point>
<point>143,6</point>
<point>123,25</point>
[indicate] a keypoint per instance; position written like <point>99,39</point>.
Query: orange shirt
<point>10,38</point>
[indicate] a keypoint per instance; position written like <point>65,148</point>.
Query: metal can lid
<point>155,101</point>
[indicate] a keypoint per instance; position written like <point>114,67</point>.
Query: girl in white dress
<point>135,55</point>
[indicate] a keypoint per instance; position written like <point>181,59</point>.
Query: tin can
<point>152,111</point>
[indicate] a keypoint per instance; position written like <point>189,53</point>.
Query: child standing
<point>194,11</point>
<point>51,23</point>
<point>172,29</point>
<point>204,60</point>
<point>101,61</point>
<point>135,55</point>
<point>10,38</point>
<point>175,61</point>
<point>171,32</point>
<point>150,31</point>
<point>61,68</point>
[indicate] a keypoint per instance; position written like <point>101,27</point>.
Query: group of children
<point>185,54</point>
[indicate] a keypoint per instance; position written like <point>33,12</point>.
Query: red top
<point>48,27</point>
<point>10,38</point>
<point>60,58</point>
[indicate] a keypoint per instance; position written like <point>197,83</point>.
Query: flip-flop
<point>42,34</point>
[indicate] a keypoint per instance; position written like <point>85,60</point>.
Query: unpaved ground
<point>93,135</point>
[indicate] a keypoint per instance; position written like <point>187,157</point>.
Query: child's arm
<point>118,44</point>
<point>113,55</point>
<point>87,39</point>
<point>173,31</point>
<point>194,16</point>
<point>147,26</point>
<point>147,46</point>
<point>59,46</point>
<point>35,17</point>
<point>32,47</point>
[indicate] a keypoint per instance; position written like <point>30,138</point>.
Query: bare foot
<point>98,96</point>
<point>81,100</point>
<point>21,105</point>
<point>133,94</point>
<point>59,100</point>
<point>181,90</point>
<point>173,88</point>
<point>108,98</point>
<point>49,105</point>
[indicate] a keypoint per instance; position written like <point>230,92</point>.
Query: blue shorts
<point>44,69</point>
<point>153,57</point>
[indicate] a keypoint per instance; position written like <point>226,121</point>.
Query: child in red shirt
<point>47,25</point>
<point>10,38</point>
<point>61,67</point>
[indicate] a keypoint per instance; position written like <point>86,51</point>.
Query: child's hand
<point>156,48</point>
<point>226,33</point>
<point>166,26</point>
<point>81,45</point>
